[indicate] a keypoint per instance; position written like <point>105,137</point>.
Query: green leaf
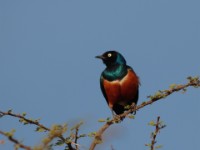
<point>23,121</point>
<point>11,133</point>
<point>59,143</point>
<point>127,107</point>
<point>159,146</point>
<point>149,145</point>
<point>151,123</point>
<point>101,120</point>
<point>24,114</point>
<point>143,103</point>
<point>10,111</point>
<point>92,134</point>
<point>37,120</point>
<point>131,116</point>
<point>184,90</point>
<point>82,135</point>
<point>172,86</point>
<point>39,129</point>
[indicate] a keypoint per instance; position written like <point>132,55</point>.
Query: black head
<point>110,58</point>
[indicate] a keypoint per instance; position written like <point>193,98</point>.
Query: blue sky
<point>48,69</point>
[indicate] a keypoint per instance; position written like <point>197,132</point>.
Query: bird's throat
<point>115,72</point>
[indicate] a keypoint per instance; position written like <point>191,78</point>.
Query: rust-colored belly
<point>121,91</point>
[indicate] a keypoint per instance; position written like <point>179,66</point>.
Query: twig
<point>158,126</point>
<point>193,82</point>
<point>76,138</point>
<point>157,129</point>
<point>9,113</point>
<point>155,133</point>
<point>15,141</point>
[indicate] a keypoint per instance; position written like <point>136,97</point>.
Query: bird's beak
<point>100,57</point>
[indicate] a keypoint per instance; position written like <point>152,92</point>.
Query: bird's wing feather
<point>102,88</point>
<point>128,67</point>
<point>137,92</point>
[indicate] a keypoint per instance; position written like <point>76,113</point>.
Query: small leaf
<point>131,116</point>
<point>127,107</point>
<point>143,103</point>
<point>39,129</point>
<point>149,145</point>
<point>59,143</point>
<point>17,146</point>
<point>108,119</point>
<point>151,123</point>
<point>23,121</point>
<point>37,120</point>
<point>101,120</point>
<point>82,135</point>
<point>184,90</point>
<point>10,111</point>
<point>159,146</point>
<point>172,86</point>
<point>92,134</point>
<point>11,133</point>
<point>24,114</point>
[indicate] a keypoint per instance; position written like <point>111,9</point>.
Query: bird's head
<point>111,58</point>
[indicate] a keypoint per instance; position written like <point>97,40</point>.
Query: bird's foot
<point>134,107</point>
<point>117,118</point>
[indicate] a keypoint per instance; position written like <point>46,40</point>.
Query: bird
<point>119,83</point>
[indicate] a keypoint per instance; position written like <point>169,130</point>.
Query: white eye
<point>109,54</point>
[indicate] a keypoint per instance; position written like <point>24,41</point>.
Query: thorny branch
<point>192,82</point>
<point>158,126</point>
<point>35,122</point>
<point>76,138</point>
<point>17,143</point>
<point>155,134</point>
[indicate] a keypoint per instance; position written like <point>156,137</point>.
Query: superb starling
<point>119,83</point>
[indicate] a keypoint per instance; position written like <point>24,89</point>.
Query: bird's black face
<point>109,58</point>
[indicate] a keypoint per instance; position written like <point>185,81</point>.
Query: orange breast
<point>121,91</point>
